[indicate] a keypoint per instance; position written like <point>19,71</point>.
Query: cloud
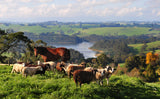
<point>158,13</point>
<point>79,9</point>
<point>25,11</point>
<point>125,11</point>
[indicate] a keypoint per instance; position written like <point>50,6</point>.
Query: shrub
<point>150,74</point>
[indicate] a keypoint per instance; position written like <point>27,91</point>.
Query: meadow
<point>72,29</point>
<point>59,86</point>
<point>115,31</point>
<point>150,45</point>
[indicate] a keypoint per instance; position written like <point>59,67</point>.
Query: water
<point>82,48</point>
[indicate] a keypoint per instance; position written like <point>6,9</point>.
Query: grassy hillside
<point>128,31</point>
<point>72,29</point>
<point>149,46</point>
<point>58,86</point>
<point>37,29</point>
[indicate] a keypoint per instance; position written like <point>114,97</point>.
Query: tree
<point>150,74</point>
<point>143,48</point>
<point>10,41</point>
<point>103,60</point>
<point>135,61</point>
<point>28,53</point>
<point>76,56</point>
<point>151,57</point>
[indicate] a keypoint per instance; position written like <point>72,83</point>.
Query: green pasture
<point>37,29</point>
<point>114,31</point>
<point>151,45</point>
<point>72,29</point>
<point>59,86</point>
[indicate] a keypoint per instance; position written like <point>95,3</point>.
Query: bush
<point>150,74</point>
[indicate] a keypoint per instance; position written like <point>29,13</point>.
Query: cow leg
<point>107,80</point>
<point>69,74</point>
<point>80,84</point>
<point>101,82</point>
<point>12,71</point>
<point>76,84</point>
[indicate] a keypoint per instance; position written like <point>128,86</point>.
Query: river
<point>82,48</point>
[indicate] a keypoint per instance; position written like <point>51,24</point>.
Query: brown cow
<point>60,66</point>
<point>53,54</point>
<point>83,76</point>
<point>72,68</point>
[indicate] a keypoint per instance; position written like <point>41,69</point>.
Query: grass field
<point>38,29</point>
<point>58,86</point>
<point>151,45</point>
<point>128,31</point>
<point>69,30</point>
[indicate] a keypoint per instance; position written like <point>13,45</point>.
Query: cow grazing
<point>31,70</point>
<point>81,76</point>
<point>60,66</point>
<point>51,63</point>
<point>44,67</point>
<point>72,68</point>
<point>17,67</point>
<point>109,72</point>
<point>52,54</point>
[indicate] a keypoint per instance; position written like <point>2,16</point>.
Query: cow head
<point>109,69</point>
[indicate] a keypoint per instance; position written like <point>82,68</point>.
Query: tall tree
<point>11,40</point>
<point>103,60</point>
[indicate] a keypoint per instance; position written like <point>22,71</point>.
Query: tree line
<point>118,48</point>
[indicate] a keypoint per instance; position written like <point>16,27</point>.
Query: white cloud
<point>79,8</point>
<point>158,13</point>
<point>25,11</point>
<point>125,11</point>
<point>26,1</point>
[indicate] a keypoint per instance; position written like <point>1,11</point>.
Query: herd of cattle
<point>81,74</point>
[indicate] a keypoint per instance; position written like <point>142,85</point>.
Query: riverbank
<point>98,52</point>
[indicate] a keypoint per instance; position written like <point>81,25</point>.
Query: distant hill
<point>75,32</point>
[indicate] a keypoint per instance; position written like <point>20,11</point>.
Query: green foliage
<point>76,57</point>
<point>103,60</point>
<point>28,55</point>
<point>143,48</point>
<point>116,48</point>
<point>135,61</point>
<point>59,86</point>
<point>150,74</point>
<point>9,42</point>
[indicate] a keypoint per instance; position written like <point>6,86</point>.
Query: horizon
<point>83,22</point>
<point>29,11</point>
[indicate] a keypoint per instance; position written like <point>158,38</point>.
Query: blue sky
<point>79,10</point>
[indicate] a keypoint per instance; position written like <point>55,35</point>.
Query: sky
<point>79,10</point>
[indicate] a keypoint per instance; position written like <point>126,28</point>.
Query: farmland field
<point>58,86</point>
<point>151,45</point>
<point>128,31</point>
<point>69,30</point>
